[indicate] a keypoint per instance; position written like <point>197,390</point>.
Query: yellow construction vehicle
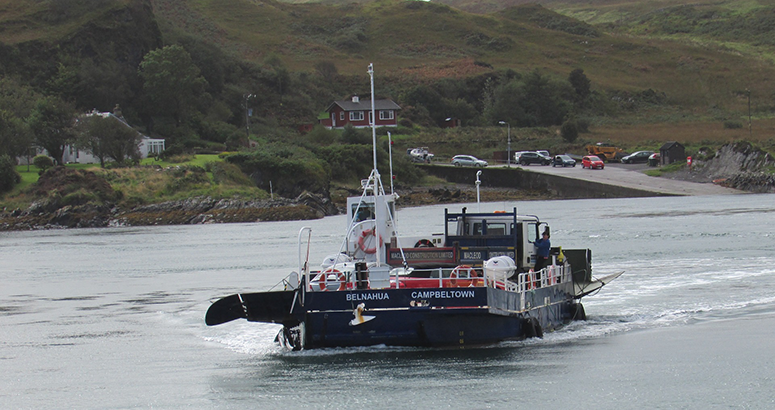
<point>605,151</point>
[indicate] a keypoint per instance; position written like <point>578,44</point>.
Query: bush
<point>732,125</point>
<point>569,131</point>
<point>8,175</point>
<point>43,162</point>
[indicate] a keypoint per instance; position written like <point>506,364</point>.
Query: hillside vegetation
<point>189,71</point>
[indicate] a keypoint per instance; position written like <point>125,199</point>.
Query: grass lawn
<point>30,175</point>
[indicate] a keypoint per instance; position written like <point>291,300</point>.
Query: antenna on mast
<point>390,155</point>
<point>373,119</point>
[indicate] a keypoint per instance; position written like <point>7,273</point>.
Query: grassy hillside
<point>703,69</point>
<point>671,70</point>
<point>419,41</point>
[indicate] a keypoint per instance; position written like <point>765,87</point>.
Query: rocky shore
<point>202,210</point>
<point>738,166</point>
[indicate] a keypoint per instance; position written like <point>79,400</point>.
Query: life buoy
<point>549,275</point>
<point>424,243</point>
<point>362,239</point>
<point>323,279</point>
<point>456,273</point>
<point>529,279</point>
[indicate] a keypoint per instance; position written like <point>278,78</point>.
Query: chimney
<point>355,99</point>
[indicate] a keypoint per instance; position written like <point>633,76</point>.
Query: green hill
<point>633,48</point>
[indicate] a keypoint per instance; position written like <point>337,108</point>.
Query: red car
<point>591,161</point>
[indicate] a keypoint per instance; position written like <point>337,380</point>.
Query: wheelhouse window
<point>385,114</point>
<point>365,210</point>
<point>493,228</point>
<point>356,115</point>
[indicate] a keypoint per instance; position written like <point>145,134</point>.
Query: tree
<point>507,105</point>
<point>108,137</point>
<point>569,130</point>
<point>171,81</point>
<point>8,175</point>
<point>580,83</point>
<point>544,100</point>
<point>14,138</point>
<point>51,123</point>
<point>326,69</point>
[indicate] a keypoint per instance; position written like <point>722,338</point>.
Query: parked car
<point>468,161</point>
<point>563,161</point>
<point>592,161</point>
<point>517,155</point>
<point>636,157</point>
<point>654,159</point>
<point>544,153</point>
<point>532,157</point>
<point>420,154</point>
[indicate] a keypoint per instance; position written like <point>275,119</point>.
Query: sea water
<point>114,318</point>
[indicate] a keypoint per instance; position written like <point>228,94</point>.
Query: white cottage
<point>149,147</point>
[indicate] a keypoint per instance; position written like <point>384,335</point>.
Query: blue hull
<point>456,317</point>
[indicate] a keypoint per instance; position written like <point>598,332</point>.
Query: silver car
<point>468,161</point>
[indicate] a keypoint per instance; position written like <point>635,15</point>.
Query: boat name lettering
<point>367,296</point>
<point>468,255</point>
<point>424,255</point>
<point>443,294</point>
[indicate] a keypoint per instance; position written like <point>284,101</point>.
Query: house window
<point>341,115</point>
<point>371,118</point>
<point>386,114</point>
<point>356,115</point>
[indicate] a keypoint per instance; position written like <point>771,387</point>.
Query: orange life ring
<point>362,238</point>
<point>455,274</point>
<point>323,279</point>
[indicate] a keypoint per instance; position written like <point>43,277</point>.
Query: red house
<point>358,113</point>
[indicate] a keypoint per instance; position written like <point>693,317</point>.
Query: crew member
<point>543,247</point>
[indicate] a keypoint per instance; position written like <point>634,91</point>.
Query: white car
<point>468,161</point>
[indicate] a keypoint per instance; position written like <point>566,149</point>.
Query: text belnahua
<point>367,296</point>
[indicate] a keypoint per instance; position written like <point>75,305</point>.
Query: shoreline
<point>203,210</point>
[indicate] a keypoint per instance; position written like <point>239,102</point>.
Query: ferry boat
<point>473,284</point>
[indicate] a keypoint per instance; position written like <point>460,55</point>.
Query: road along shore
<point>615,181</point>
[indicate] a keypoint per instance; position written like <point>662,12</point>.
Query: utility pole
<point>508,133</point>
<point>750,132</point>
<point>247,119</point>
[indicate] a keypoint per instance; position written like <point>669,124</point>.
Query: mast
<point>377,182</point>
<point>373,120</point>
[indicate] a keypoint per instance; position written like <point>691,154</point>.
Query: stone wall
<point>521,179</point>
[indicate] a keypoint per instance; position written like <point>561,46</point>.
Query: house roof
<point>364,105</point>
<point>121,119</point>
<point>670,144</point>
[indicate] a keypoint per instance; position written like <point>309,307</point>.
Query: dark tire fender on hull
<point>532,328</point>
<point>578,312</point>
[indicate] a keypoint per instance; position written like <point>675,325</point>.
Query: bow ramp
<point>585,288</point>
